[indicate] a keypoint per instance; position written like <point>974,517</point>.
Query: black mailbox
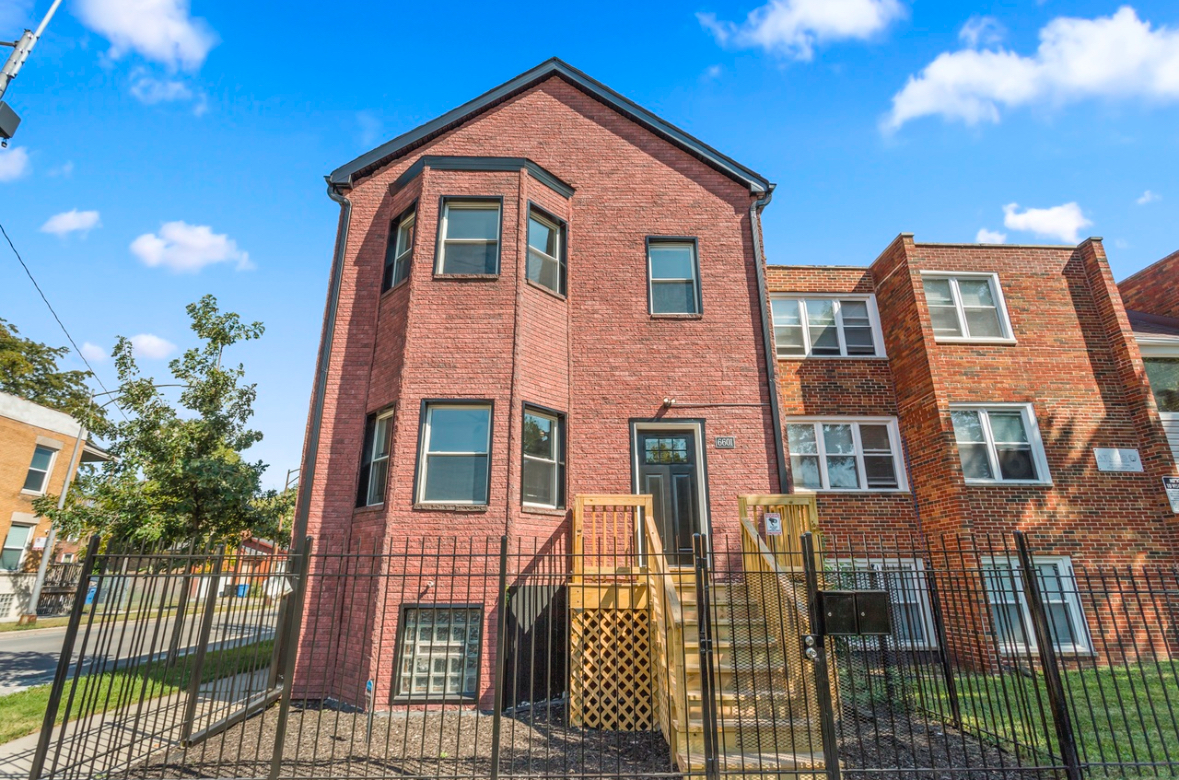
<point>855,612</point>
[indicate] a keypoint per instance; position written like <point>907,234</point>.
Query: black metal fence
<point>1002,656</point>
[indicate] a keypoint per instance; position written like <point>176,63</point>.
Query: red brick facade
<point>1154,289</point>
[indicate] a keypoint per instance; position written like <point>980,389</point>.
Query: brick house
<point>1151,297</point>
<point>35,445</point>
<point>550,291</point>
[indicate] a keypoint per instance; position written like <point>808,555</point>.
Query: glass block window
<point>966,307</point>
<point>999,444</point>
<point>439,652</point>
<point>839,453</point>
<point>674,277</point>
<point>826,327</point>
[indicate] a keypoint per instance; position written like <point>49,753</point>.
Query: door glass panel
<point>666,449</point>
<point>685,506</point>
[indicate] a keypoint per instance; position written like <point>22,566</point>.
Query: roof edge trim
<point>440,163</point>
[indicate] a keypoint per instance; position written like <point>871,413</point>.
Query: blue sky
<point>200,135</point>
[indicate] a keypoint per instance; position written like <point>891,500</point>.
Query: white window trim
<point>1064,570</point>
<point>873,320</point>
<point>1031,426</point>
<point>1008,336</point>
<point>545,257</point>
<point>894,440</point>
<point>555,461</point>
<point>916,570</point>
<point>701,464</point>
<point>24,551</point>
<point>424,453</point>
<point>48,472</point>
<point>368,498</point>
<point>697,290</point>
<point>472,204</point>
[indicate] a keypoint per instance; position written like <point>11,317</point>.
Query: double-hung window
<point>544,462</point>
<point>827,327</point>
<point>453,466</point>
<point>1163,374</point>
<point>438,655</point>
<point>674,276</point>
<point>374,466</point>
<point>839,453</point>
<point>966,307</point>
<point>904,579</point>
<point>469,236</point>
<point>37,479</point>
<point>399,251</point>
<point>999,443</point>
<point>15,543</point>
<point>1010,617</point>
<point>546,252</point>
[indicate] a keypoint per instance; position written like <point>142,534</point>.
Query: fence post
<point>943,647</point>
<point>707,675</point>
<point>202,647</point>
<point>501,648</point>
<point>63,661</point>
<point>1047,651</point>
<point>300,570</point>
<point>819,659</point>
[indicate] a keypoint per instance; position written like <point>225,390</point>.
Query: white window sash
<point>873,324</point>
<point>1014,591</point>
<point>43,472</point>
<point>857,443</point>
<point>1031,430</point>
<point>467,206</point>
<point>374,458</point>
<point>427,453</point>
<point>693,276</point>
<point>555,461</point>
<point>1000,307</point>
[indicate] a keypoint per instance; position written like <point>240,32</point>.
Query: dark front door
<point>669,472</point>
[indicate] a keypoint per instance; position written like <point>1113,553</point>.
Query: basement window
<point>469,237</point>
<point>844,454</point>
<point>374,467</point>
<point>546,252</point>
<point>826,326</point>
<point>1012,620</point>
<point>999,444</point>
<point>399,251</point>
<point>904,579</point>
<point>966,307</point>
<point>438,653</point>
<point>674,276</point>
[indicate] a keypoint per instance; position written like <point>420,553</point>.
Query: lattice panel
<point>611,681</point>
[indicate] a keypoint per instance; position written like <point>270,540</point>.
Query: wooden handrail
<point>656,544</point>
<point>766,553</point>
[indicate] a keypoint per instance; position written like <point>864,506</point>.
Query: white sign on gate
<point>773,524</point>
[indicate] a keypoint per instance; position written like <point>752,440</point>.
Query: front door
<point>669,471</point>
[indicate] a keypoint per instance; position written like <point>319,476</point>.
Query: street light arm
<point>21,49</point>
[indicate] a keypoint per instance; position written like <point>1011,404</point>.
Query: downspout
<point>319,391</point>
<point>767,337</point>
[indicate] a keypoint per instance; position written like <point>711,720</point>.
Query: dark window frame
<point>699,283</point>
<point>391,246</point>
<point>439,245</point>
<point>562,450</point>
<point>423,413</point>
<point>364,475</point>
<point>399,654</point>
<point>563,260</point>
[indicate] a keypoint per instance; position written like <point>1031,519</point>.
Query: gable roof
<point>370,161</point>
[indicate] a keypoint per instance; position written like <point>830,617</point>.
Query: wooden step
<point>758,764</point>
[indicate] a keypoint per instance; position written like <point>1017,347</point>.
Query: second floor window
<point>674,276</point>
<point>999,444</point>
<point>453,466</point>
<point>399,252</point>
<point>469,237</point>
<point>966,307</point>
<point>374,466</point>
<point>1163,374</point>
<point>546,252</point>
<point>841,454</point>
<point>37,479</point>
<point>826,327</point>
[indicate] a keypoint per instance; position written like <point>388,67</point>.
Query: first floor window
<point>842,454</point>
<point>453,466</point>
<point>439,652</point>
<point>546,252</point>
<point>966,307</point>
<point>999,444</point>
<point>1012,621</point>
<point>1163,374</point>
<point>374,465</point>
<point>14,546</point>
<point>544,463</point>
<point>904,579</point>
<point>399,251</point>
<point>826,327</point>
<point>469,237</point>
<point>38,477</point>
<point>674,276</point>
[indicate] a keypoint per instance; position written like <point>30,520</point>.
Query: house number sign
<point>726,442</point>
<point>1112,459</point>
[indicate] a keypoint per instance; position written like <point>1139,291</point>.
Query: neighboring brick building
<point>35,443</point>
<point>1151,297</point>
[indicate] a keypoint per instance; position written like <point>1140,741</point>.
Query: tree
<point>28,369</point>
<point>178,472</point>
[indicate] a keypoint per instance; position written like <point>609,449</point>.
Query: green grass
<point>53,622</point>
<point>22,713</point>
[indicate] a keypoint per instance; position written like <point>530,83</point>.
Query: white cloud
<point>150,90</point>
<point>1148,197</point>
<point>93,352</point>
<point>984,30</point>
<point>1111,57</point>
<point>1062,222</point>
<point>151,346</point>
<point>14,163</point>
<point>65,170</point>
<point>188,248</point>
<point>990,237</point>
<point>71,221</point>
<point>794,27</point>
<point>159,30</point>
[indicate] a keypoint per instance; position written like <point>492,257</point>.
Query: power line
<point>93,373</point>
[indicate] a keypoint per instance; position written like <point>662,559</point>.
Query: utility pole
<point>20,52</point>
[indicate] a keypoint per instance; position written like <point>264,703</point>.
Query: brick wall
<point>1154,289</point>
